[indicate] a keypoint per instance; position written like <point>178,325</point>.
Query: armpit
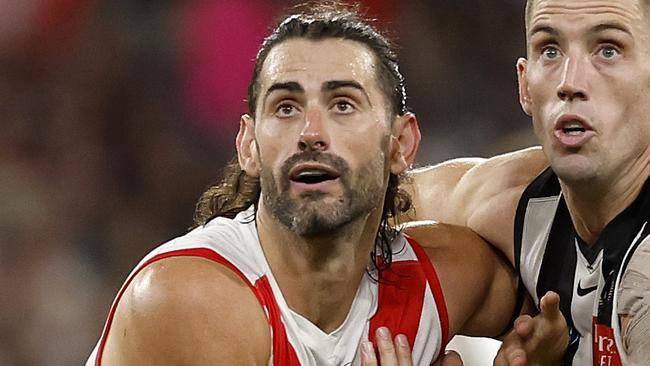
<point>634,304</point>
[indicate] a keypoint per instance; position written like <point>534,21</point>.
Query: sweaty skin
<point>587,68</point>
<point>481,194</point>
<point>312,101</point>
<point>152,324</point>
<point>586,85</point>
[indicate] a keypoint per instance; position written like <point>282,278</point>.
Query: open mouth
<point>572,125</point>
<point>573,131</point>
<point>573,128</point>
<point>313,176</point>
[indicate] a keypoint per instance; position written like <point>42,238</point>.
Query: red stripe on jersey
<point>282,349</point>
<point>436,289</point>
<point>401,295</point>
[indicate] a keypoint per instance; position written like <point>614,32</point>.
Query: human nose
<point>574,79</point>
<point>313,136</point>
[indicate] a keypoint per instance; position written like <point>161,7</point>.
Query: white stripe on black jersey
<point>550,256</point>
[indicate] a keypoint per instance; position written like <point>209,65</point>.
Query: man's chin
<point>575,168</point>
<point>317,202</point>
<point>317,224</point>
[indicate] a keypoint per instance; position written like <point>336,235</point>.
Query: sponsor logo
<point>604,346</point>
<point>586,291</point>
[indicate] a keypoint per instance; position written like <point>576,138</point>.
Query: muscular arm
<point>478,283</point>
<point>481,194</point>
<point>479,288</point>
<point>188,311</point>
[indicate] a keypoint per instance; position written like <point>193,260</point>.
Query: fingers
<point>451,358</point>
<point>386,348</point>
<point>550,310</point>
<point>524,326</point>
<point>556,328</point>
<point>403,350</point>
<point>540,340</point>
<point>512,352</point>
<point>517,357</point>
<point>550,305</point>
<point>391,353</point>
<point>368,357</point>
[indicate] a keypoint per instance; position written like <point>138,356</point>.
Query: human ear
<point>404,142</point>
<point>524,93</point>
<point>246,147</point>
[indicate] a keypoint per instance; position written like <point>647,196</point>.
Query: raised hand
<point>536,341</point>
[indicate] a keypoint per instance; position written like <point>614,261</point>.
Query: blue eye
<point>609,52</point>
<point>550,52</point>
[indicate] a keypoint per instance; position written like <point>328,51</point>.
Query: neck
<point>594,204</point>
<point>318,276</point>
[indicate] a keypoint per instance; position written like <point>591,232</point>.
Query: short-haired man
<point>581,227</point>
<point>294,261</point>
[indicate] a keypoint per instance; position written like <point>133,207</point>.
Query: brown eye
<point>285,110</point>
<point>343,107</point>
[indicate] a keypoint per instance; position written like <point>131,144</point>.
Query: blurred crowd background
<point>116,115</point>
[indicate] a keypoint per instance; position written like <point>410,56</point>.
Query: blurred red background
<point>116,115</point>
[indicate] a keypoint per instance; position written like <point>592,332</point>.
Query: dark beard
<point>308,215</point>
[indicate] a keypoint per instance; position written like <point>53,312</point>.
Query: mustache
<point>331,160</point>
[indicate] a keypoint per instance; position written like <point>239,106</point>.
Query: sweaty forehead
<point>304,60</point>
<point>543,10</point>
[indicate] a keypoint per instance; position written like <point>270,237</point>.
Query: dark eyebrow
<point>329,86</point>
<point>544,29</point>
<point>290,86</point>
<point>609,26</point>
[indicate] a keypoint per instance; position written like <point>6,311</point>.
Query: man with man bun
<point>293,260</point>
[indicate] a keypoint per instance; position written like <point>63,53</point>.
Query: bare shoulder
<point>478,283</point>
<point>430,186</point>
<point>190,311</point>
<point>452,245</point>
<point>446,191</point>
<point>481,194</point>
<point>438,236</point>
<point>508,170</point>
